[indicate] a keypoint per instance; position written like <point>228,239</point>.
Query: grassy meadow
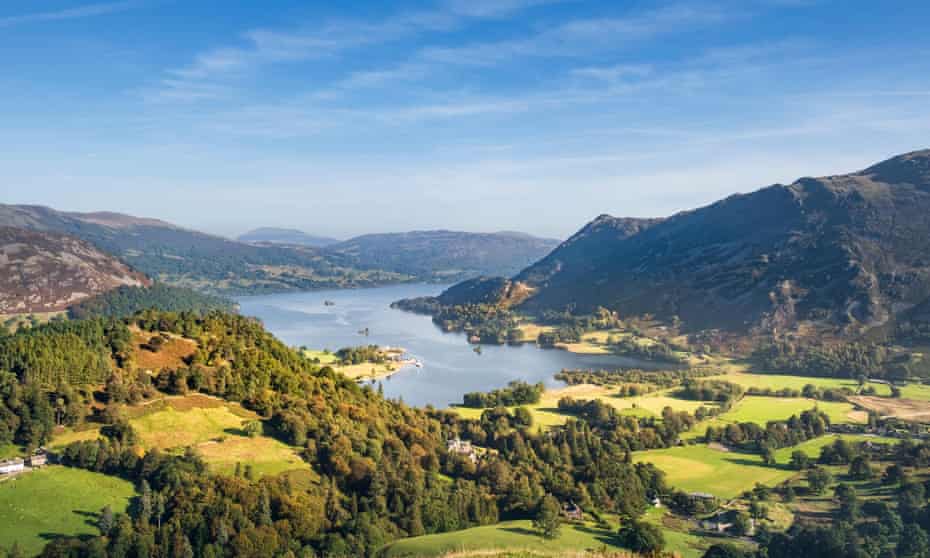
<point>214,428</point>
<point>42,504</point>
<point>727,474</point>
<point>702,468</point>
<point>365,370</point>
<point>546,413</point>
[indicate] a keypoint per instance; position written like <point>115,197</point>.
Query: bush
<point>642,537</point>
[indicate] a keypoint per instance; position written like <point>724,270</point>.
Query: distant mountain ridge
<point>851,252</point>
<point>286,236</point>
<point>188,258</point>
<point>443,255</point>
<point>48,272</point>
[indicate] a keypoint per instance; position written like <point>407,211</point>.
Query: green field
<point>761,410</point>
<point>699,468</point>
<point>546,412</point>
<point>919,392</point>
<point>916,391</point>
<point>780,381</point>
<point>519,535</point>
<point>726,474</point>
<point>812,447</point>
<point>8,451</point>
<point>56,501</point>
<point>322,356</point>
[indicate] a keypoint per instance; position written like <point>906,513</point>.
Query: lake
<point>450,369</point>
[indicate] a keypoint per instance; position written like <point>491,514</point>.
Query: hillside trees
<point>384,470</point>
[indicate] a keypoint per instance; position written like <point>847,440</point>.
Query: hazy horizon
<point>525,115</point>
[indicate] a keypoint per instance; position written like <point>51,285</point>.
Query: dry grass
<point>267,456</point>
<point>67,436</point>
<point>366,370</point>
<point>905,409</point>
<point>173,354</point>
<point>531,331</point>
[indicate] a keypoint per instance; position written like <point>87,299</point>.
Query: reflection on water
<point>450,367</point>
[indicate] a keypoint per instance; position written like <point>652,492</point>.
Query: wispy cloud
<point>584,36</point>
<point>266,46</point>
<point>89,10</point>
<point>614,74</point>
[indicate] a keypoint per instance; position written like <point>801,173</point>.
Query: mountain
<point>285,236</point>
<point>577,254</point>
<point>183,257</point>
<point>188,258</point>
<point>849,252</point>
<point>47,272</point>
<point>445,255</point>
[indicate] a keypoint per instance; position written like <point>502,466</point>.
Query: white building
<point>11,466</point>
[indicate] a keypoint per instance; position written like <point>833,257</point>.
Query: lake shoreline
<point>450,365</point>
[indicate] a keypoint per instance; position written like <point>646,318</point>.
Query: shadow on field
<point>602,536</point>
<point>90,518</point>
<point>520,531</point>
<point>756,463</point>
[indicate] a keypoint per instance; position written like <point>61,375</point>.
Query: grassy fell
<point>214,428</point>
<point>515,539</point>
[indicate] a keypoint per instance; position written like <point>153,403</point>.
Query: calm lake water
<point>450,369</point>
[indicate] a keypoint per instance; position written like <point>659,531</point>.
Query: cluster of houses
<point>18,464</point>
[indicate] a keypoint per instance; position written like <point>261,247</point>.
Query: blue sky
<point>342,118</point>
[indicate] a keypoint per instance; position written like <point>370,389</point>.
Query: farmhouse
<point>462,447</point>
<point>38,459</point>
<point>572,512</point>
<point>12,466</point>
<point>701,497</point>
<point>723,521</point>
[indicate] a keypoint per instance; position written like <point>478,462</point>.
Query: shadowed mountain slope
<point>849,251</point>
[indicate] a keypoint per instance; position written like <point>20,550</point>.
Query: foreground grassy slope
<point>520,536</point>
<point>54,501</point>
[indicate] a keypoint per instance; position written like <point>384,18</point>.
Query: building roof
<point>703,495</point>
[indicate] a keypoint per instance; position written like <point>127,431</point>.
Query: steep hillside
<point>581,253</point>
<point>47,272</point>
<point>286,236</point>
<point>125,301</point>
<point>849,252</point>
<point>445,255</point>
<point>193,259</point>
